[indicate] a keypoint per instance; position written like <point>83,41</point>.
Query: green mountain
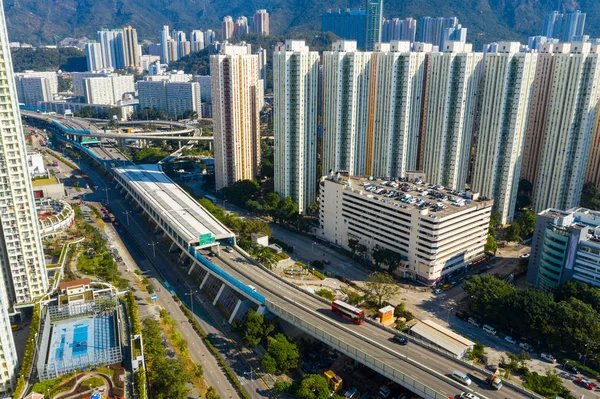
<point>36,21</point>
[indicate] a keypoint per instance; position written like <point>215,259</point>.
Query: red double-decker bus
<point>354,314</point>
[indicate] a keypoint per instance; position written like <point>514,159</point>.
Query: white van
<point>489,329</point>
<point>548,357</point>
<point>461,377</point>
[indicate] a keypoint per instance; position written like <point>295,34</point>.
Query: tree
<point>590,197</point>
<point>169,379</point>
<point>241,191</point>
<point>282,386</point>
<point>400,310</point>
<point>476,353</point>
<point>490,245</point>
<point>153,345</point>
<point>513,233</point>
<point>489,295</point>
<point>284,352</point>
<point>495,219</point>
<point>325,293</point>
<point>256,328</point>
<point>313,386</point>
<point>526,223</point>
<point>524,194</point>
<point>268,364</point>
<point>381,287</point>
<point>148,155</point>
<point>313,208</point>
<point>212,393</point>
<point>549,385</point>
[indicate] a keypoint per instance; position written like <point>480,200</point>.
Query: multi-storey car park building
<point>295,82</point>
<point>22,269</point>
<point>434,231</point>
<point>449,112</point>
<point>504,98</point>
<point>565,246</point>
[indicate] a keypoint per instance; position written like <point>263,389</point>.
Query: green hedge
<point>69,164</point>
<point>585,370</point>
<point>29,352</point>
<point>132,309</point>
<point>140,382</point>
<point>283,245</point>
<point>215,352</point>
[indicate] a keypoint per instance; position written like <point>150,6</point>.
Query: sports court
<point>75,342</point>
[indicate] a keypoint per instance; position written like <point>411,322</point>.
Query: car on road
<point>400,339</point>
<point>524,256</point>
<point>525,346</point>
<point>446,287</point>
<point>474,322</point>
<point>468,395</point>
<point>510,340</point>
<point>548,357</point>
<point>585,383</point>
<point>326,262</point>
<point>437,291</point>
<point>570,367</point>
<point>228,249</point>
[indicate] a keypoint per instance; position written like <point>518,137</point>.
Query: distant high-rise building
<point>295,83</point>
<point>227,27</point>
<point>175,98</point>
<point>173,48</point>
<point>260,22</point>
<point>395,106</point>
<point>165,37</point>
<point>399,29</point>
<point>93,56</point>
<point>564,27</point>
<point>236,114</point>
<point>561,123</point>
<point>262,65</point>
<point>107,90</point>
<point>131,48</point>
<point>35,87</point>
<point>23,277</point>
<point>450,101</point>
<point>374,21</point>
<point>209,37</point>
<point>111,41</point>
<point>347,24</point>
<point>437,30</point>
<point>205,87</point>
<point>240,27</point>
<point>197,39</point>
<point>504,99</point>
<point>345,108</point>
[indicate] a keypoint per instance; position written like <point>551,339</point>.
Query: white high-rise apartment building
<point>451,96</point>
<point>107,90</point>
<point>93,56</point>
<point>34,87</point>
<point>345,107</point>
<point>173,97</point>
<point>197,39</point>
<point>295,89</point>
<point>111,42</point>
<point>569,120</point>
<point>395,106</point>
<point>205,87</point>
<point>165,37</point>
<point>504,99</point>
<point>22,268</point>
<point>209,37</point>
<point>236,114</point>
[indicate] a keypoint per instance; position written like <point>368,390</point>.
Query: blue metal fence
<point>227,278</point>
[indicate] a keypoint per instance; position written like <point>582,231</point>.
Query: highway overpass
<point>237,283</point>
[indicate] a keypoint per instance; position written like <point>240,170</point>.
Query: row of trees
<point>282,354</point>
<point>91,112</point>
<point>568,321</point>
<point>312,386</point>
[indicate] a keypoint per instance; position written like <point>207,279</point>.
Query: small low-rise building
<point>432,232</point>
<point>441,337</point>
<point>48,188</point>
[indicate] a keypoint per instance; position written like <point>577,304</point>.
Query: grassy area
<point>43,182</point>
<point>93,382</point>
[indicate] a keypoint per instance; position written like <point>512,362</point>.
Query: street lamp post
<point>154,244</point>
<point>448,315</point>
<point>257,369</point>
<point>127,214</point>
<point>106,192</point>
<point>586,352</point>
<point>312,247</point>
<point>191,295</point>
<point>225,205</point>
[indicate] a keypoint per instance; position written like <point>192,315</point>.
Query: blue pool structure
<point>77,342</point>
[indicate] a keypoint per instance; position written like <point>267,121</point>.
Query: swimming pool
<point>80,337</point>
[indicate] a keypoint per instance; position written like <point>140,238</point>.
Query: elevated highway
<point>237,283</point>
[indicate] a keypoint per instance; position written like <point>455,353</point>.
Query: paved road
<point>137,235</point>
